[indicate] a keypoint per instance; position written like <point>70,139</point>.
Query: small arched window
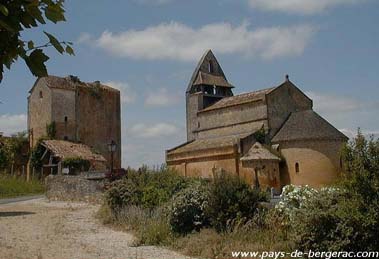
<point>65,119</point>
<point>297,168</point>
<point>40,94</point>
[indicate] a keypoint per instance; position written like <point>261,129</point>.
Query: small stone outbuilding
<point>56,151</point>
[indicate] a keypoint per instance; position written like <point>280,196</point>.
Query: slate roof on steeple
<point>307,125</point>
<point>208,79</point>
<point>217,75</point>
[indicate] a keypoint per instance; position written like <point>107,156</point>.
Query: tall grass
<point>12,187</point>
<point>149,226</point>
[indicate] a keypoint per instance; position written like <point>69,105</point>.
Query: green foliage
<point>260,135</point>
<point>145,188</point>
<point>12,187</point>
<point>36,154</point>
<point>11,148</point>
<point>76,164</point>
<point>231,198</point>
<point>187,209</point>
<point>323,224</point>
<point>15,18</point>
<point>95,90</point>
<point>51,130</point>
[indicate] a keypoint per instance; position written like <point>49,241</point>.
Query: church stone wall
<point>39,111</point>
<point>281,102</point>
<point>232,120</point>
<point>243,128</point>
<point>318,160</point>
<point>268,176</point>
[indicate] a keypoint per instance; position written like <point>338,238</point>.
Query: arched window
<point>297,168</point>
<point>65,119</point>
<point>40,94</point>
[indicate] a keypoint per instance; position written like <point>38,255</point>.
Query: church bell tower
<point>208,85</point>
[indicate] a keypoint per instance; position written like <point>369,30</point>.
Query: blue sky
<point>149,48</point>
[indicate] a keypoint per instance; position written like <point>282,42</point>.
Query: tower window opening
<point>297,168</point>
<point>65,119</point>
<point>210,67</point>
<point>40,94</point>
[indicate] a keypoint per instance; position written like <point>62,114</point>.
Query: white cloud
<point>177,41</point>
<point>161,98</point>
<point>329,103</point>
<point>153,131</point>
<point>305,7</point>
<point>10,124</point>
<point>127,94</point>
<point>84,37</point>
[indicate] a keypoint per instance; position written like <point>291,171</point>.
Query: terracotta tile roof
<point>239,99</point>
<point>71,83</point>
<point>208,79</point>
<point>305,125</point>
<point>259,152</point>
<point>209,143</point>
<point>65,149</point>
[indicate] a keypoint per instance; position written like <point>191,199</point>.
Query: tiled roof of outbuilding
<point>66,149</point>
<point>305,125</point>
<point>239,99</point>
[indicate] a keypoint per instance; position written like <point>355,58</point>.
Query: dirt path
<point>57,230</point>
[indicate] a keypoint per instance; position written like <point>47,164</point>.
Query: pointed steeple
<point>208,72</point>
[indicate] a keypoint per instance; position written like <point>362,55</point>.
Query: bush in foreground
<point>230,198</point>
<point>145,188</point>
<point>186,212</point>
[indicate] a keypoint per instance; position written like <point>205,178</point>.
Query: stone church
<point>270,137</point>
<point>86,116</point>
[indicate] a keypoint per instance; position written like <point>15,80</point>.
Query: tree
<point>19,15</point>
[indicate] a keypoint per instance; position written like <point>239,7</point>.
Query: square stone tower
<point>80,112</point>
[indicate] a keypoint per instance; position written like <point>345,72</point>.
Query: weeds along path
<point>56,230</point>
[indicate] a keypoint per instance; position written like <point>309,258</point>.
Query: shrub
<point>123,193</point>
<point>148,189</point>
<point>76,164</point>
<point>323,224</point>
<point>292,199</point>
<point>231,198</point>
<point>187,209</point>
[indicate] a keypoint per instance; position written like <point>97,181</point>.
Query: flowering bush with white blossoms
<point>295,198</point>
<point>187,209</point>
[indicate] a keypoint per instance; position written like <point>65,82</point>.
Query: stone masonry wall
<point>74,188</point>
<point>39,111</point>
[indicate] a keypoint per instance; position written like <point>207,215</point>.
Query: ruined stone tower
<point>87,113</point>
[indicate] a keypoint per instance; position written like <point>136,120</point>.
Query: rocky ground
<point>58,230</point>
